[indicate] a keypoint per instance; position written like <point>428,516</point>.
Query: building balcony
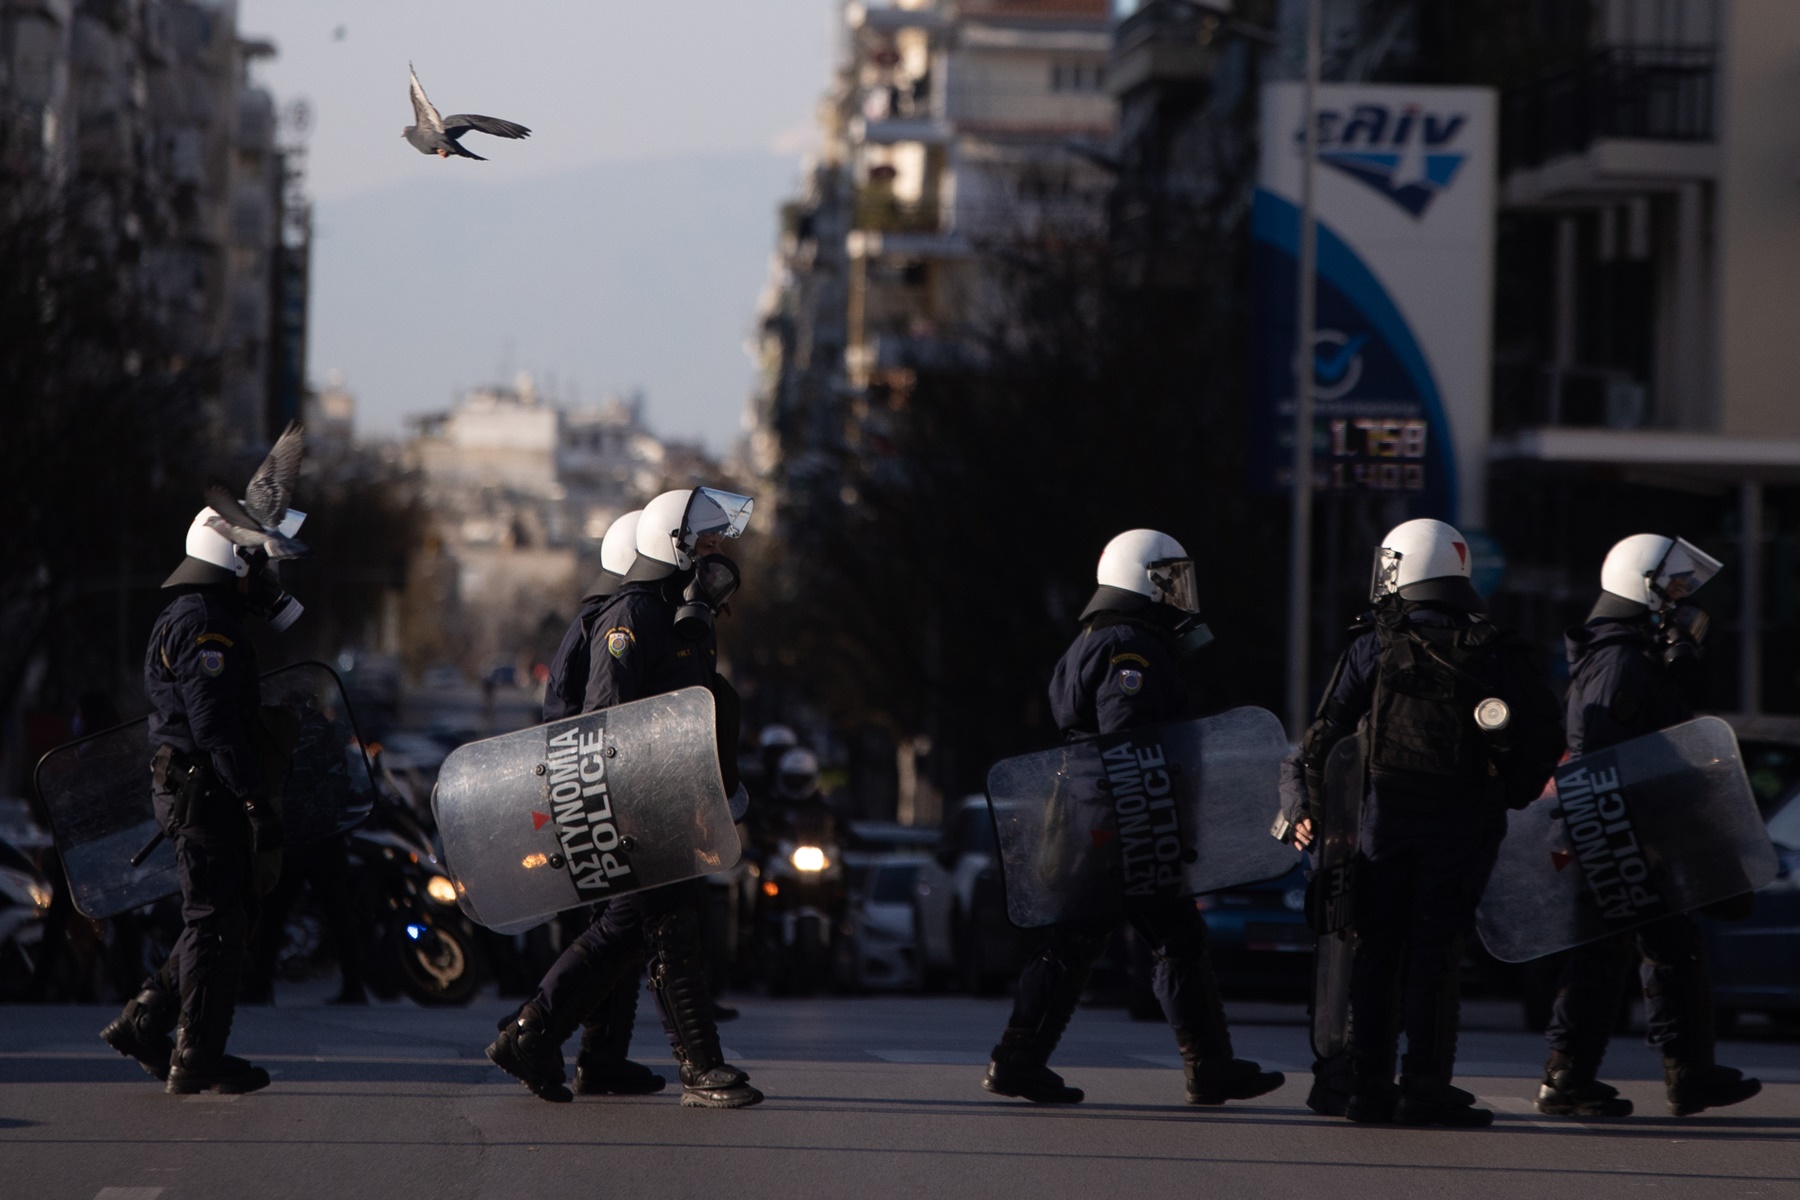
<point>869,243</point>
<point>876,210</point>
<point>1622,119</point>
<point>891,131</point>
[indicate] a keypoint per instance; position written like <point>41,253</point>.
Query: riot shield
<point>97,792</point>
<point>584,809</point>
<point>1658,825</point>
<point>1332,893</point>
<point>1172,810</point>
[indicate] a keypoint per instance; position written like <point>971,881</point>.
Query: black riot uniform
<point>634,653</point>
<point>1432,822</point>
<point>1122,673</point>
<point>1621,687</point>
<point>602,1067</point>
<point>200,673</point>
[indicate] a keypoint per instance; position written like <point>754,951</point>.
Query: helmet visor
<point>1385,580</point>
<point>1683,569</point>
<point>711,511</point>
<point>1174,577</point>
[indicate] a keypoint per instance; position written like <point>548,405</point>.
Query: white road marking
<point>1174,1063</point>
<point>128,1193</point>
<point>949,1058</point>
<point>1525,1108</point>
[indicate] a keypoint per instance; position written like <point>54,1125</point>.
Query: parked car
<point>880,950</point>
<point>1259,937</point>
<point>959,905</point>
<point>1756,962</point>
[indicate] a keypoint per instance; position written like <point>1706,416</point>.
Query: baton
<point>137,860</point>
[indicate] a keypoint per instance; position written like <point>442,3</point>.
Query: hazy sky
<point>623,245</point>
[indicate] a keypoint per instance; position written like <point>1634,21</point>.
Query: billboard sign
<point>1404,193</point>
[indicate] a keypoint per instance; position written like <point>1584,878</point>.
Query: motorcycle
<point>24,903</point>
<point>803,896</point>
<point>421,942</point>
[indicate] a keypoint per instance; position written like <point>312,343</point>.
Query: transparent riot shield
<point>97,792</point>
<point>584,809</point>
<point>1332,893</point>
<point>1172,810</point>
<point>1658,825</point>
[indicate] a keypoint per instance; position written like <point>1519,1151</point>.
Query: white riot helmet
<point>797,775</point>
<point>671,524</point>
<point>1146,563</point>
<point>211,556</point>
<point>618,550</point>
<point>1425,560</point>
<point>1656,572</point>
<point>777,737</point>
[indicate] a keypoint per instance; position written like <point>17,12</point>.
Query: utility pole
<point>1300,562</point>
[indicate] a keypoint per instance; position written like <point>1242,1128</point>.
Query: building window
<point>1077,77</point>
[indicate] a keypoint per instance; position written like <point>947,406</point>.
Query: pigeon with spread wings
<point>440,135</point>
<point>256,521</point>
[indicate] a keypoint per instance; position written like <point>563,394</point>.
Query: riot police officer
<point>654,635</point>
<point>1633,666</point>
<point>212,768</point>
<point>603,1065</point>
<point>1123,672</point>
<point>1434,812</point>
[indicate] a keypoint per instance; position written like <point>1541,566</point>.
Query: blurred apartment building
<point>141,118</point>
<point>951,131</point>
<point>521,490</point>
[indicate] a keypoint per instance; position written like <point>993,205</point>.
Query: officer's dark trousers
<point>212,860</point>
<point>1184,983</point>
<point>1420,874</point>
<point>1678,1005</point>
<point>609,954</point>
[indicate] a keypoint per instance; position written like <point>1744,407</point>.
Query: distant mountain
<point>641,273</point>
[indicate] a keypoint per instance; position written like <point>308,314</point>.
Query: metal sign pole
<point>1300,571</point>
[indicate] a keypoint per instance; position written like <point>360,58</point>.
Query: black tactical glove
<point>265,824</point>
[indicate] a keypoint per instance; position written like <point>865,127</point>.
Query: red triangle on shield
<point>1561,858</point>
<point>1102,836</point>
<point>538,819</point>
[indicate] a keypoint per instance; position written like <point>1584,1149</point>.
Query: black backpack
<point>1423,736</point>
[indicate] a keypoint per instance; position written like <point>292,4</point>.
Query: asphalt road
<point>867,1098</point>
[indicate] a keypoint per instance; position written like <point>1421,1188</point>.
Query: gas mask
<point>266,599</point>
<point>1191,636</point>
<point>715,581</point>
<point>1682,633</point>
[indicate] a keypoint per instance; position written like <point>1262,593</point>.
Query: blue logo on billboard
<point>1337,363</point>
<point>1403,155</point>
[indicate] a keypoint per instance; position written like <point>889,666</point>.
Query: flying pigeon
<point>439,135</point>
<point>256,520</point>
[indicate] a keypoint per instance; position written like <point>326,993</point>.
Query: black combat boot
<point>532,1055</point>
<point>1434,1102</point>
<point>200,1064</point>
<point>1020,1063</point>
<point>1213,1074</point>
<point>601,1068</point>
<point>1697,1086</point>
<point>1331,1086</point>
<point>1570,1089</point>
<point>1373,1096</point>
<point>142,1030</point>
<point>1017,1068</point>
<point>678,980</point>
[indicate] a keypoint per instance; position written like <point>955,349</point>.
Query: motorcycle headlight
<point>440,889</point>
<point>808,858</point>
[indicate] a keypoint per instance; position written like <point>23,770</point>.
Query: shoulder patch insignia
<point>619,640</point>
<point>1139,659</point>
<point>214,637</point>
<point>212,662</point>
<point>1131,682</point>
